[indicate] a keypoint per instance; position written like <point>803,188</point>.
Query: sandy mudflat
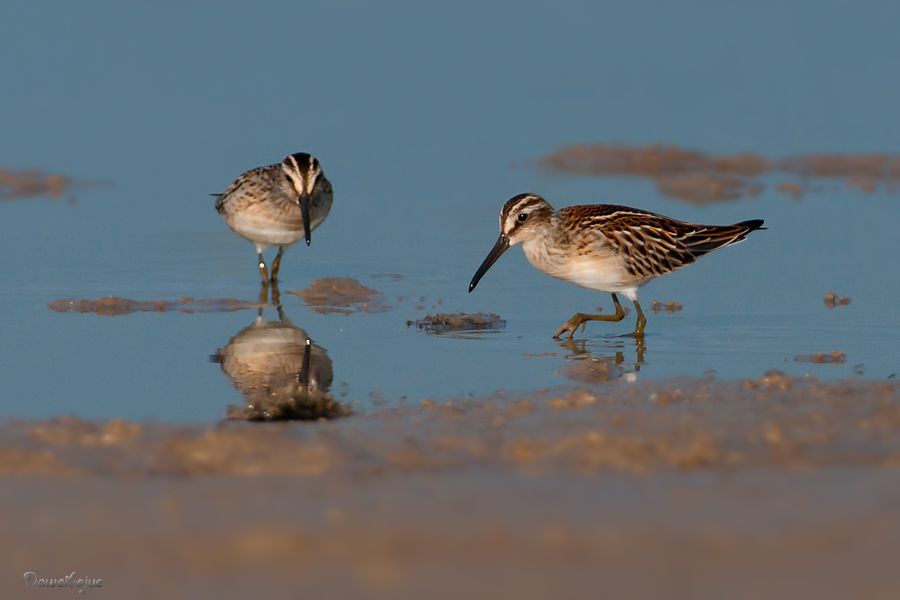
<point>701,178</point>
<point>776,487</point>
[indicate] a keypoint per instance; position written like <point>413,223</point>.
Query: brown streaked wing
<point>653,244</point>
<point>242,179</point>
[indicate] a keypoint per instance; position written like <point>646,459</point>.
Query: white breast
<point>601,270</point>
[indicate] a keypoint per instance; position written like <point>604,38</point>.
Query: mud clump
<point>114,306</point>
<point>821,358</point>
<point>831,300</point>
<point>341,295</point>
<point>670,307</point>
<point>700,178</point>
<point>447,322</point>
<point>32,183</point>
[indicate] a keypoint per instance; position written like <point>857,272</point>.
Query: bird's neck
<point>545,249</point>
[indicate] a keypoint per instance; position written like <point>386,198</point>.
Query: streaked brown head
<point>520,218</point>
<point>308,180</point>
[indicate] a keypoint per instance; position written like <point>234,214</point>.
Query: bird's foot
<point>572,325</point>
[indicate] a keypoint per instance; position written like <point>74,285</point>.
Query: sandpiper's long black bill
<point>499,248</point>
<point>304,212</point>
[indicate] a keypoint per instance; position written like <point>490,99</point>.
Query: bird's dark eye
<point>522,217</point>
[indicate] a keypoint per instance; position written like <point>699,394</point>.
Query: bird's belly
<point>604,275</point>
<point>264,230</point>
<point>599,270</point>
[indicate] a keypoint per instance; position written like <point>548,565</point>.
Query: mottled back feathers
<point>649,244</point>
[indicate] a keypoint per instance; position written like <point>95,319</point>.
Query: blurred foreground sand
<point>777,487</point>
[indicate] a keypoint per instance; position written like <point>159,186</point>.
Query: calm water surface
<point>423,119</point>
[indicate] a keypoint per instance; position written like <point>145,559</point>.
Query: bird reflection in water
<point>280,372</point>
<point>586,365</point>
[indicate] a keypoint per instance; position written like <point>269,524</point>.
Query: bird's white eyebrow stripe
<point>523,203</point>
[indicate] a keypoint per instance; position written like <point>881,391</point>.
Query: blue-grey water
<point>424,118</point>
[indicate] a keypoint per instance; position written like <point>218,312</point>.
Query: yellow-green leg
<point>276,264</point>
<point>641,321</point>
<point>580,319</point>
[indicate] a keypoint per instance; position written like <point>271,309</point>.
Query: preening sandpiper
<point>605,247</point>
<point>277,205</point>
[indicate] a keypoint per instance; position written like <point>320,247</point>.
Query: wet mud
<point>820,358</point>
<point>114,306</point>
<point>700,178</point>
<point>670,307</point>
<point>34,183</point>
<point>460,322</point>
<point>703,424</point>
<point>744,485</point>
<point>831,300</point>
<point>341,295</point>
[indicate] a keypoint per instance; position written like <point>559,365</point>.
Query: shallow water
<point>424,139</point>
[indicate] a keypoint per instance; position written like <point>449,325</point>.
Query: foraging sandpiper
<point>605,247</point>
<point>277,205</point>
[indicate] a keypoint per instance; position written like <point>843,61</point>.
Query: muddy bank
<point>341,295</point>
<point>771,487</point>
<point>114,306</point>
<point>705,425</point>
<point>700,177</point>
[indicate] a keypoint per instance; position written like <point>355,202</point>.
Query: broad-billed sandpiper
<point>277,205</point>
<point>605,247</point>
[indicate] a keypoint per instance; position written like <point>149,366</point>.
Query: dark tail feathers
<point>712,237</point>
<point>752,224</point>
